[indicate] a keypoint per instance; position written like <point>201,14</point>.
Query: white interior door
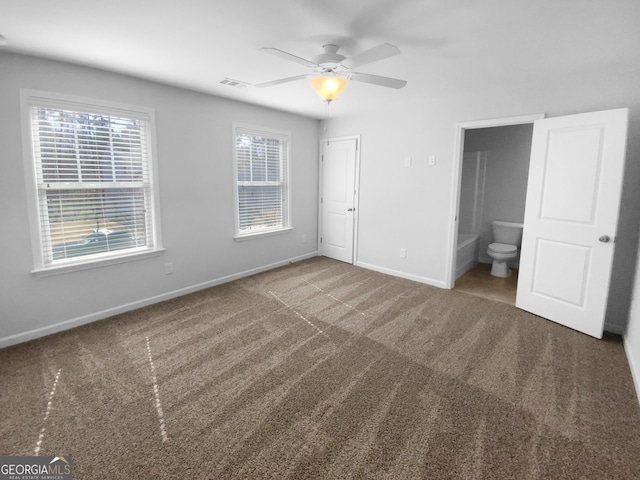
<point>338,198</point>
<point>571,216</point>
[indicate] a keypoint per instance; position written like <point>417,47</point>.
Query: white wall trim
<point>92,317</point>
<point>635,368</point>
<point>408,276</point>
<point>456,178</point>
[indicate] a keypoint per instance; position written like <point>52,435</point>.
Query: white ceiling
<point>448,47</point>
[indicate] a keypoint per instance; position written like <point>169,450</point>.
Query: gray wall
<point>194,140</point>
<point>508,150</point>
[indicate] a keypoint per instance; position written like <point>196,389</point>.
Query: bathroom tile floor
<point>479,281</point>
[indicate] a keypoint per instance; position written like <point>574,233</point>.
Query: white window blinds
<point>262,159</point>
<point>93,181</point>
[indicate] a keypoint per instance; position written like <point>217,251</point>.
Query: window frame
<point>285,182</point>
<point>30,98</point>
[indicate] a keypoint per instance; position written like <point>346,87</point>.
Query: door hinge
<point>320,239</point>
<point>321,199</point>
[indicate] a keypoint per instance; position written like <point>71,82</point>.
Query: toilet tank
<point>507,232</point>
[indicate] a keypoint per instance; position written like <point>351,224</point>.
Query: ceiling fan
<point>331,71</point>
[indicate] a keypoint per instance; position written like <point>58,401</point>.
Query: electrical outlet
<point>168,268</point>
<point>432,160</point>
<point>403,253</point>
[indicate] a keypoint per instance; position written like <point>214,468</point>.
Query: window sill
<point>268,233</point>
<point>97,263</point>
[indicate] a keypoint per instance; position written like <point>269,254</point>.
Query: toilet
<point>506,237</point>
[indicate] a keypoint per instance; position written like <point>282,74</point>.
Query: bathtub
<point>466,252</point>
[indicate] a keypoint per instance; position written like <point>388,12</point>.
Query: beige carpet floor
<point>324,370</point>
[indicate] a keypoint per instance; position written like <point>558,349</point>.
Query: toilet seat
<point>503,248</point>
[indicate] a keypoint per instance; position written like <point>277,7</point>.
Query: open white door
<point>571,216</point>
<point>338,198</point>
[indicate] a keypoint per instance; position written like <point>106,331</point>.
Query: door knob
<point>604,238</point>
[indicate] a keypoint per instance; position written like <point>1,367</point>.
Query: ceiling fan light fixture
<point>328,88</point>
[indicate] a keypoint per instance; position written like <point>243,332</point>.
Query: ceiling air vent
<point>234,83</point>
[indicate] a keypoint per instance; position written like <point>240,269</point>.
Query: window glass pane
<point>243,153</point>
<point>258,160</point>
<point>260,207</point>
<point>82,147</point>
<point>273,160</point>
<point>111,219</point>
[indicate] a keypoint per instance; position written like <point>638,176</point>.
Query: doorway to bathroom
<point>493,175</point>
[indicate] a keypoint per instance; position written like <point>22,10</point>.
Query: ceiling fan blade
<point>289,56</point>
<point>283,80</point>
<point>377,80</point>
<point>374,54</point>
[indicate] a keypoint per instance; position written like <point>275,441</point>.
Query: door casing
<point>457,179</point>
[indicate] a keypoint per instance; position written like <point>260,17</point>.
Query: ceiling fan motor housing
<point>330,59</point>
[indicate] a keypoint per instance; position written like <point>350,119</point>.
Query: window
<point>262,180</point>
<point>91,172</point>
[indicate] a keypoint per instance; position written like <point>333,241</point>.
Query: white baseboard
<point>408,276</point>
<point>633,366</point>
<point>92,317</point>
